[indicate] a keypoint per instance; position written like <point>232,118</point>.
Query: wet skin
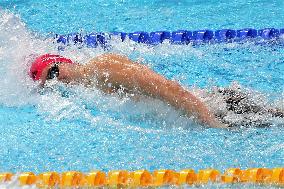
<point>115,71</point>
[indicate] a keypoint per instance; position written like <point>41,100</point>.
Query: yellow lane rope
<point>144,178</point>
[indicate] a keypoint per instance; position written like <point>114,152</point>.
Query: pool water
<point>75,128</point>
<point>142,15</point>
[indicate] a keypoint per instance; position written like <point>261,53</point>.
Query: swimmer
<point>113,72</point>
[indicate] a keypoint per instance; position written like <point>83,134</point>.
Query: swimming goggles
<point>53,72</point>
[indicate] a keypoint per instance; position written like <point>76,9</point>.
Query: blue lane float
<point>203,35</point>
<point>140,37</point>
<point>225,34</point>
<point>179,37</point>
<point>246,33</point>
<point>268,33</point>
<point>91,40</point>
<point>159,36</point>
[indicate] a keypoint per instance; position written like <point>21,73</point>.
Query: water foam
<point>17,89</point>
<point>17,43</point>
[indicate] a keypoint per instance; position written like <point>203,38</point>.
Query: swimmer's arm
<point>156,85</point>
<point>177,96</point>
<point>133,76</point>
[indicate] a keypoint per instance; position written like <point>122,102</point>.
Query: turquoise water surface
<point>76,128</point>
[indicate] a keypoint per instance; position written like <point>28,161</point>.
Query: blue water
<point>142,15</point>
<point>84,129</point>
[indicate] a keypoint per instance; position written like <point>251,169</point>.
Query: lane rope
<point>179,37</point>
<point>144,178</point>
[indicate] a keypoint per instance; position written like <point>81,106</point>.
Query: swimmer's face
<point>55,71</point>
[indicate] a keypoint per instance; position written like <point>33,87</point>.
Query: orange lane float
<point>232,175</point>
<point>143,178</point>
<point>96,178</point>
<point>118,178</point>
<point>208,175</point>
<point>27,178</point>
<point>4,177</point>
<point>187,176</point>
<point>72,179</point>
<point>48,179</point>
<point>165,177</point>
<point>277,176</point>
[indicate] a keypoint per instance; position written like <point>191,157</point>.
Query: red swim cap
<point>43,61</point>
